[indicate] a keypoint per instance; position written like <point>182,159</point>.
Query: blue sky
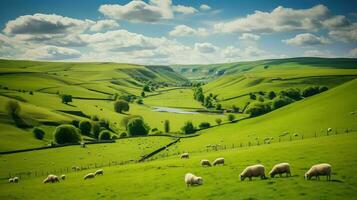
<point>176,32</point>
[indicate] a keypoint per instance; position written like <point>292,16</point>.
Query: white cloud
<point>184,9</point>
<point>279,20</point>
<point>231,52</point>
<point>353,53</point>
<point>337,21</point>
<point>183,30</point>
<point>249,37</point>
<point>205,7</point>
<point>51,53</point>
<point>205,47</point>
<point>345,34</point>
<point>317,53</point>
<point>103,25</point>
<point>306,39</point>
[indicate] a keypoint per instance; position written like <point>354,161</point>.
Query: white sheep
<point>191,179</point>
<point>206,163</point>
<point>184,155</point>
<point>90,175</point>
<point>51,179</point>
<point>15,179</point>
<point>218,161</point>
<point>63,177</point>
<point>280,169</point>
<point>99,172</point>
<point>253,171</point>
<point>319,170</point>
<point>11,180</point>
<point>329,129</point>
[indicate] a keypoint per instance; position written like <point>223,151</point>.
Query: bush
<point>66,134</point>
<point>323,89</point>
<point>280,102</point>
<point>310,91</point>
<point>235,109</point>
<point>258,109</point>
<point>154,130</point>
<point>218,121</point>
<point>31,93</point>
<point>104,135</point>
<point>231,117</point>
<point>66,98</point>
<point>125,120</point>
<point>137,126</point>
<point>114,137</point>
<point>188,128</point>
<point>120,106</point>
<point>204,125</point>
<point>167,126</point>
<point>39,133</point>
<point>104,123</point>
<point>261,99</point>
<point>271,95</point>
<point>218,106</point>
<point>252,96</point>
<point>85,126</point>
<point>142,94</point>
<point>75,123</point>
<point>13,108</point>
<point>123,135</point>
<point>292,94</point>
<point>96,129</point>
<point>95,118</point>
<point>139,101</point>
<point>146,88</point>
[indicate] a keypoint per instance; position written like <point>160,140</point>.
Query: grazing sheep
<point>63,177</point>
<point>15,179</point>
<point>191,179</point>
<point>90,175</point>
<point>280,169</point>
<point>253,171</point>
<point>218,161</point>
<point>99,172</point>
<point>185,155</point>
<point>329,129</point>
<point>11,180</point>
<point>206,163</point>
<point>51,179</point>
<point>319,170</point>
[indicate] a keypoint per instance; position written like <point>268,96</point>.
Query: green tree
<point>125,120</point>
<point>121,106</point>
<point>188,128</point>
<point>231,117</point>
<point>39,133</point>
<point>280,102</point>
<point>142,94</point>
<point>257,109</point>
<point>204,125</point>
<point>218,106</point>
<point>137,126</point>
<point>271,95</point>
<point>104,135</point>
<point>218,121</point>
<point>146,88</point>
<point>66,134</point>
<point>85,126</point>
<point>96,129</point>
<point>66,98</point>
<point>167,126</point>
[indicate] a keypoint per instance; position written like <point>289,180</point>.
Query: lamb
<point>90,175</point>
<point>51,179</point>
<point>191,179</point>
<point>253,171</point>
<point>15,179</point>
<point>99,172</point>
<point>323,169</point>
<point>218,161</point>
<point>184,155</point>
<point>280,169</point>
<point>206,163</point>
<point>63,177</point>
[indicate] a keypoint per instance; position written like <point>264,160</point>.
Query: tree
<point>218,121</point>
<point>146,88</point>
<point>231,117</point>
<point>66,134</point>
<point>104,135</point>
<point>235,109</point>
<point>204,125</point>
<point>257,109</point>
<point>167,126</point>
<point>66,98</point>
<point>137,126</point>
<point>125,120</point>
<point>280,102</point>
<point>261,99</point>
<point>96,129</point>
<point>142,94</point>
<point>85,126</point>
<point>13,108</point>
<point>323,89</point>
<point>252,96</point>
<point>218,106</point>
<point>188,128</point>
<point>310,91</point>
<point>139,101</point>
<point>120,106</point>
<point>39,133</point>
<point>292,93</point>
<point>208,102</point>
<point>271,95</point>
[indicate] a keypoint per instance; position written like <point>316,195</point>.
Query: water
<point>172,110</point>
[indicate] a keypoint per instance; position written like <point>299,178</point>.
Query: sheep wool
<point>280,169</point>
<point>253,171</point>
<point>318,170</point>
<point>191,179</point>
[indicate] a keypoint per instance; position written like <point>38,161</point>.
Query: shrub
<point>231,117</point>
<point>95,118</point>
<point>96,129</point>
<point>154,130</point>
<point>167,126</point>
<point>31,93</point>
<point>252,96</point>
<point>104,135</point>
<point>146,88</point>
<point>218,106</point>
<point>323,89</point>
<point>85,126</point>
<point>188,128</point>
<point>280,102</point>
<point>66,134</point>
<point>218,121</point>
<point>39,133</point>
<point>139,101</point>
<point>137,126</point>
<point>204,125</point>
<point>120,106</point>
<point>125,120</point>
<point>104,123</point>
<point>292,93</point>
<point>235,109</point>
<point>258,109</point>
<point>261,99</point>
<point>114,137</point>
<point>123,135</point>
<point>13,108</point>
<point>310,91</point>
<point>142,94</point>
<point>66,98</point>
<point>271,95</point>
<point>75,123</point>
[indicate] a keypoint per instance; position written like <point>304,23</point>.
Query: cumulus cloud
<point>353,53</point>
<point>103,25</point>
<point>205,7</point>
<point>231,52</point>
<point>183,30</point>
<point>52,53</point>
<point>336,22</point>
<point>184,9</point>
<point>205,47</point>
<point>345,34</point>
<point>249,37</point>
<point>306,39</point>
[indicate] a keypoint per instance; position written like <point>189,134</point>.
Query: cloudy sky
<point>176,32</point>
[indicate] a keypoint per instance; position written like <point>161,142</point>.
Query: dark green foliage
<point>137,126</point>
<point>167,126</point>
<point>31,93</point>
<point>188,128</point>
<point>66,98</point>
<point>39,133</point>
<point>261,99</point>
<point>95,118</point>
<point>280,102</point>
<point>257,109</point>
<point>75,123</point>
<point>125,120</point>
<point>235,108</point>
<point>231,117</point>
<point>271,95</point>
<point>114,137</point>
<point>127,98</point>
<point>218,121</point>
<point>252,96</point>
<point>154,130</point>
<point>323,89</point>
<point>218,106</point>
<point>204,125</point>
<point>121,106</point>
<point>123,135</point>
<point>142,94</point>
<point>198,94</point>
<point>104,135</point>
<point>66,134</point>
<point>104,123</point>
<point>95,129</point>
<point>292,93</point>
<point>310,91</point>
<point>139,101</point>
<point>85,126</point>
<point>13,108</point>
<point>146,88</point>
<point>208,102</point>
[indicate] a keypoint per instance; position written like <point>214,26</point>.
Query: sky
<point>176,32</point>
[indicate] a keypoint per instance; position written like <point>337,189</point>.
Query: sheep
<point>51,179</point>
<point>90,175</point>
<point>191,179</point>
<point>317,170</point>
<point>218,161</point>
<point>63,177</point>
<point>329,129</point>
<point>11,180</point>
<point>253,171</point>
<point>280,169</point>
<point>206,163</point>
<point>99,172</point>
<point>15,179</point>
<point>184,155</point>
